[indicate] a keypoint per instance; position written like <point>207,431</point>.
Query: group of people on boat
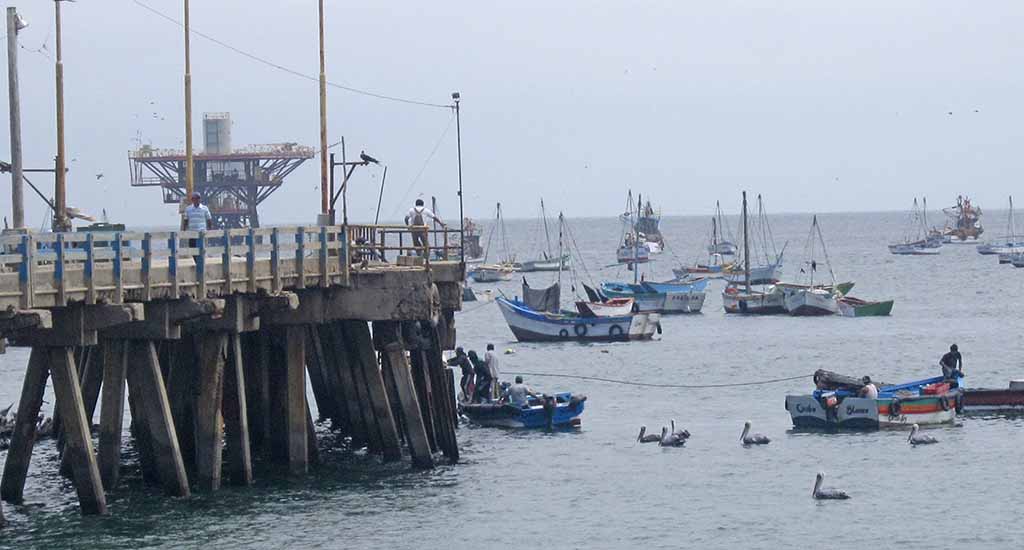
<point>479,382</point>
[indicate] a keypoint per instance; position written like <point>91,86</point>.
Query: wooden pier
<point>214,336</point>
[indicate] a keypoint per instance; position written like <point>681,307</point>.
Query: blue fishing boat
<point>667,297</point>
<point>533,325</point>
<point>561,410</point>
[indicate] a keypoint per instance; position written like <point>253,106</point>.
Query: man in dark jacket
<point>483,378</point>
<point>462,361</point>
<point>952,363</point>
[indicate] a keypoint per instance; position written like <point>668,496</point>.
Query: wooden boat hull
<point>859,413</point>
<point>532,326</point>
<point>978,400</point>
<point>811,302</point>
<point>755,303</point>
<point>489,274</point>
<point>544,265</point>
<point>851,307</point>
<point>615,307</point>
<point>759,275</point>
<point>566,413</point>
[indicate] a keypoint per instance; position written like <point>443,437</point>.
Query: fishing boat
<point>612,307</point>
<point>716,263</point>
<point>764,258</point>
<point>529,325</point>
<point>547,261</point>
<point>666,297</point>
<point>916,241</point>
<point>504,268</point>
<point>1006,246</point>
<point>560,410</point>
<point>633,248</point>
<point>645,221</point>
<point>963,225</point>
<point>995,400</point>
<point>739,296</point>
<point>721,245</point>
<point>836,403</point>
<point>811,299</point>
<point>472,249</point>
<point>855,307</point>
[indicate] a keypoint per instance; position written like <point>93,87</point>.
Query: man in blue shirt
<point>197,217</point>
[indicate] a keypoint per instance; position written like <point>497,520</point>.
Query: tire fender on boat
<point>615,330</point>
<point>580,330</point>
<point>563,333</point>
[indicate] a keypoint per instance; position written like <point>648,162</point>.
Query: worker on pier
<point>416,219</point>
<point>952,364</point>
<point>462,361</point>
<point>196,217</point>
<point>491,359</point>
<point>519,393</point>
<point>482,391</point>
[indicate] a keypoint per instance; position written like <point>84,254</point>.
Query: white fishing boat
<point>811,299</point>
<point>916,240</point>
<point>759,275</point>
<point>1007,246</point>
<point>629,253</point>
<point>633,247</point>
<point>547,261</point>
<point>769,301</point>
<point>722,246</point>
<point>740,296</point>
<point>964,222</point>
<point>503,269</point>
<point>614,307</point>
<point>647,223</point>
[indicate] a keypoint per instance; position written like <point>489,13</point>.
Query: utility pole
<point>14,24</point>
<point>458,140</point>
<point>189,181</point>
<point>326,217</point>
<point>60,214</point>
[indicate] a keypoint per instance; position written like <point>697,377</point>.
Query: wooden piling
<point>68,392</point>
<point>140,433</point>
<point>398,362</point>
<point>236,417</point>
<point>146,382</point>
<point>112,411</point>
<point>333,342</point>
<point>208,419</point>
<point>443,394</point>
<point>340,415</point>
<point>295,404</point>
<point>314,368</point>
<point>24,436</point>
<point>365,359</point>
<point>421,381</point>
<point>374,441</point>
<point>92,378</point>
<point>181,383</point>
<point>257,347</point>
<point>389,385</point>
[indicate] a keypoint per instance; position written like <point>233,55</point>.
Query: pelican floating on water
<point>753,439</point>
<point>826,493</point>
<point>648,438</point>
<point>670,440</point>
<point>681,434</point>
<point>916,439</point>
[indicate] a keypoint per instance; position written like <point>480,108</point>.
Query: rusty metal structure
<point>233,182</point>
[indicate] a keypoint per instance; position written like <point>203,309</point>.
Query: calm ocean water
<point>595,487</point>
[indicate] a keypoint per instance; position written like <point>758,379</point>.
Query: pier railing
<point>52,269</point>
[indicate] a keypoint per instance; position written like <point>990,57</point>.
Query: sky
<point>819,106</point>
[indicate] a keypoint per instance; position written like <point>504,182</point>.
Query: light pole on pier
<point>458,140</point>
<point>61,222</point>
<point>189,180</point>
<point>326,210</point>
<point>14,24</point>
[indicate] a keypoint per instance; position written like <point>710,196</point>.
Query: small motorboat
<point>836,403</point>
<point>530,325</point>
<point>667,297</point>
<point>769,301</point>
<point>855,307</point>
<point>561,410</point>
<point>491,273</point>
<point>613,307</point>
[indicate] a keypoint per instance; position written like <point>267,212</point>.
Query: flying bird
<point>99,176</point>
<point>367,158</point>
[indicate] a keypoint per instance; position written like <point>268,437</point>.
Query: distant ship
<point>964,222</point>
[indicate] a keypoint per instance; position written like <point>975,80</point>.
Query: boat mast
<point>433,208</point>
<point>1013,230</point>
<point>561,222</point>
<point>924,217</point>
<point>636,240</point>
<point>746,244</point>
<point>547,235</point>
<point>714,241</point>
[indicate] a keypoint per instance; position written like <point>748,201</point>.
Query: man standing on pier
<point>197,217</point>
<point>417,219</point>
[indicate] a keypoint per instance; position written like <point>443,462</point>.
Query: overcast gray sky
<point>820,106</point>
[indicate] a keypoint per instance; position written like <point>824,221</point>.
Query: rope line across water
<point>653,385</point>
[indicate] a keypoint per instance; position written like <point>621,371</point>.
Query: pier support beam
<point>208,419</point>
<point>24,437</point>
<point>364,359</point>
<point>112,411</point>
<point>332,339</point>
<point>68,392</point>
<point>295,399</point>
<point>389,340</point>
<point>236,416</point>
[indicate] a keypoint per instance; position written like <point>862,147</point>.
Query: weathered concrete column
<point>24,437</point>
<point>112,411</point>
<point>146,382</point>
<point>209,434</point>
<point>68,392</point>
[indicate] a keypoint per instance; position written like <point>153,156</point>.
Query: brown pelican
<point>753,439</point>
<point>648,438</point>
<point>670,440</point>
<point>826,493</point>
<point>915,439</point>
<point>681,434</point>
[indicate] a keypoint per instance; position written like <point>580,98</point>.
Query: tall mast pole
<point>17,184</point>
<point>189,178</point>
<point>325,199</point>
<point>746,246</point>
<point>60,221</point>
<point>636,241</point>
<point>458,141</point>
<point>561,222</point>
<point>547,236</point>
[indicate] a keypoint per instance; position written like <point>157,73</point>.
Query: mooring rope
<point>653,385</point>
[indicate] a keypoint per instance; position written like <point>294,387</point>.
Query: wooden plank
<point>92,377</point>
<point>333,341</point>
<point>145,378</point>
<point>24,436</point>
<point>112,411</point>
<point>236,416</point>
<point>208,420</point>
<point>181,383</point>
<point>140,432</point>
<point>91,498</point>
<point>387,373</point>
<point>295,405</point>
<point>422,384</point>
<point>358,333</point>
<point>443,395</point>
<point>314,368</point>
<point>373,438</point>
<point>118,263</point>
<point>200,258</point>
<point>416,431</point>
